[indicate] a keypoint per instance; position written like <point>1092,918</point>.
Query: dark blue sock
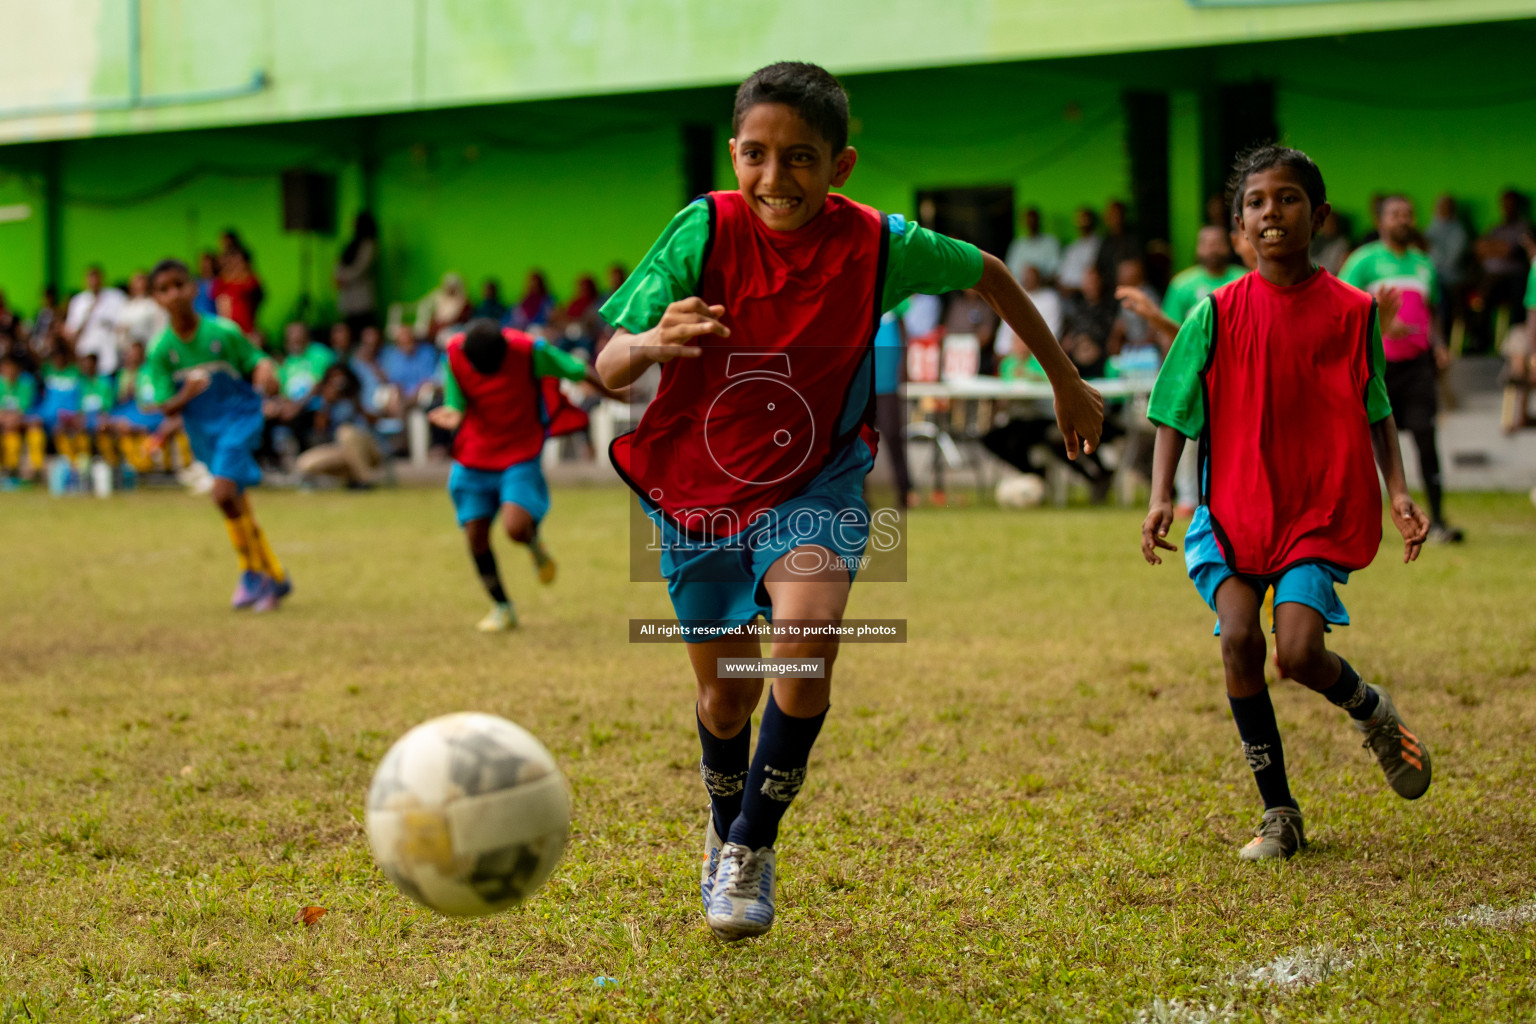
<point>1351,693</point>
<point>778,771</point>
<point>1255,718</point>
<point>724,768</point>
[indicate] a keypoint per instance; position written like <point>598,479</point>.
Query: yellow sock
<point>106,444</point>
<point>240,540</point>
<point>37,446</point>
<point>10,451</point>
<point>132,447</point>
<point>270,565</point>
<point>183,449</point>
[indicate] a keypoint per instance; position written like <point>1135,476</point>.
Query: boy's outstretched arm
<point>1079,408</point>
<point>627,356</point>
<point>1409,519</point>
<point>1165,460</point>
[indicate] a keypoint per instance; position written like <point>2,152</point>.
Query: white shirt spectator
<point>142,319</point>
<point>1047,301</point>
<point>922,316</point>
<point>1043,252</point>
<point>93,318</point>
<point>1081,254</point>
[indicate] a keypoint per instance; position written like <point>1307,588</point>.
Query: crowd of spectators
<point>351,389</point>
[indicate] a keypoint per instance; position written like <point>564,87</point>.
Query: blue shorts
<point>133,416</point>
<point>480,493</point>
<point>1310,584</point>
<point>228,447</point>
<point>50,408</point>
<point>717,586</point>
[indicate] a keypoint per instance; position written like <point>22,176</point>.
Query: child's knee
<point>519,524</point>
<point>1242,643</point>
<point>726,706</point>
<point>1300,657</point>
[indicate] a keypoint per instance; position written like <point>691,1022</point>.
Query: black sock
<point>1351,693</point>
<point>1255,718</point>
<point>724,769</point>
<point>485,564</point>
<point>778,771</point>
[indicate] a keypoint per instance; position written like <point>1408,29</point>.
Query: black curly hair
<point>1267,157</point>
<point>807,89</point>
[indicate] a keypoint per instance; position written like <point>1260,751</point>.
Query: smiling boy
<point>1278,375</point>
<point>761,306</point>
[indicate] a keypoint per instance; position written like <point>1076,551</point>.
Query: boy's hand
<point>1153,531</point>
<point>1134,300</point>
<point>684,322</point>
<point>1080,415</point>
<point>448,419</point>
<point>1388,301</point>
<point>196,383</point>
<point>1412,523</point>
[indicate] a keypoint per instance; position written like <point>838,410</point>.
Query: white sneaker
<point>711,862</point>
<point>499,619</point>
<point>741,904</point>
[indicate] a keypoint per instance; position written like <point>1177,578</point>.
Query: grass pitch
<point>1028,811</point>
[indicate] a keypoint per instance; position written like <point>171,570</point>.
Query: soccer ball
<point>468,814</point>
<point>1024,491</point>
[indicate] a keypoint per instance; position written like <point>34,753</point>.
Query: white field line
<point>1306,966</point>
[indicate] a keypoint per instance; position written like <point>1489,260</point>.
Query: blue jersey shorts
<point>717,586</point>
<point>52,405</point>
<point>480,493</point>
<point>228,448</point>
<point>130,414</point>
<point>1310,584</point>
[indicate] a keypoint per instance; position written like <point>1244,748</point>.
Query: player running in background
<point>1279,377</point>
<point>496,400</point>
<point>197,370</point>
<point>761,305</point>
<point>18,393</point>
<point>1412,339</point>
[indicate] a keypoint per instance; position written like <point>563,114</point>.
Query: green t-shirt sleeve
<point>1377,405</point>
<point>242,355</point>
<point>1530,289</point>
<point>453,395</point>
<point>162,383</point>
<point>1178,400</point>
<point>549,361</point>
<point>668,273</point>
<point>926,262</point>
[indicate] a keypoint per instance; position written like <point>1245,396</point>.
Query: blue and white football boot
<point>741,905</point>
<point>711,862</point>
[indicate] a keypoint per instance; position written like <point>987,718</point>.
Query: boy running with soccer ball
<point>499,397</point>
<point>761,305</point>
<point>1278,375</point>
<point>197,370</point>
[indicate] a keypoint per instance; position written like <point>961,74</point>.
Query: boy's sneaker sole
<point>711,862</point>
<point>1403,757</point>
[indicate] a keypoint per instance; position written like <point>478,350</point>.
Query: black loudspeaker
<point>309,202</point>
<point>698,161</point>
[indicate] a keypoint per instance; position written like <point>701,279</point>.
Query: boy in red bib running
<point>1278,375</point>
<point>762,305</point>
<point>500,395</point>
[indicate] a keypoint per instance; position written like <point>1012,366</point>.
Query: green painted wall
<point>338,58</point>
<point>571,185</point>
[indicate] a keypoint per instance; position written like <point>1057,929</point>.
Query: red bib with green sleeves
<point>505,421</point>
<point>1290,475</point>
<point>747,424</point>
